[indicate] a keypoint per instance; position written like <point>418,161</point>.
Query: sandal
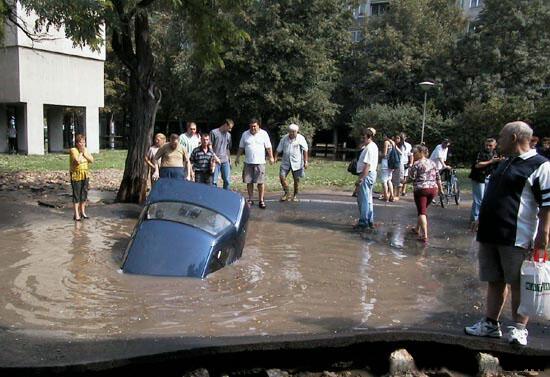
<point>250,202</point>
<point>262,205</point>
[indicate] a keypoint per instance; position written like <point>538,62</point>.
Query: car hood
<point>168,248</point>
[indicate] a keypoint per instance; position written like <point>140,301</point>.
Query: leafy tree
<point>508,54</point>
<point>210,25</point>
<point>288,68</point>
<point>392,119</point>
<point>485,119</point>
<point>400,49</point>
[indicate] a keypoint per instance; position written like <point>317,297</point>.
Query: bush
<point>393,119</point>
<point>485,119</point>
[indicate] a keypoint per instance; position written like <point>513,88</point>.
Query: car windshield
<point>188,214</point>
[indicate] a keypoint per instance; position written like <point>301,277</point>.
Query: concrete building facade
<point>41,82</point>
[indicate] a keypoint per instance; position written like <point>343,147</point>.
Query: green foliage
<point>507,55</point>
<point>107,159</point>
<point>400,48</point>
<point>392,119</point>
<point>485,119</point>
<point>288,67</point>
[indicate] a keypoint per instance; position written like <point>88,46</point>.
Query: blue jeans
<point>225,169</point>
<point>364,200</point>
<point>176,173</point>
<point>477,196</point>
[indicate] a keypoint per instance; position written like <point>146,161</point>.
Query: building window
<point>360,11</point>
<point>378,9</point>
<point>476,3</point>
<point>356,36</point>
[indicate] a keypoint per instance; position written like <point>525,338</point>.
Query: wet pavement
<point>304,272</point>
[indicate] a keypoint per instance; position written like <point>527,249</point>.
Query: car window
<point>189,214</point>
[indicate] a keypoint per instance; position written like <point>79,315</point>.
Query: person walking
<point>514,218</point>
<point>80,159</point>
<point>159,141</point>
<point>174,160</point>
<point>366,167</point>
<point>12,137</point>
<point>254,144</point>
<point>407,161</point>
<point>293,149</point>
<point>190,140</point>
<point>484,164</point>
<point>221,145</point>
<point>385,171</point>
<point>424,176</point>
<point>398,172</point>
<point>204,161</point>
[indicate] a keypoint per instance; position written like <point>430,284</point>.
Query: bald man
<point>514,218</point>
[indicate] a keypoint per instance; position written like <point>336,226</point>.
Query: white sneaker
<point>484,328</point>
<point>517,336</point>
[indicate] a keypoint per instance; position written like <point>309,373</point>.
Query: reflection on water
<point>301,271</point>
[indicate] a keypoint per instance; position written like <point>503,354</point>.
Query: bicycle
<point>451,189</point>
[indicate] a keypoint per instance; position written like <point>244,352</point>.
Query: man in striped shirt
<point>514,218</point>
<point>204,160</point>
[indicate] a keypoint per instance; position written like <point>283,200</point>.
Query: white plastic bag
<point>535,288</point>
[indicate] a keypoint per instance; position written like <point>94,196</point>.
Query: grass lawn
<point>321,174</point>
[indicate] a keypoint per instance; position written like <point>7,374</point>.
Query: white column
<point>33,141</point>
<point>91,124</point>
<point>55,129</point>
<point>3,129</point>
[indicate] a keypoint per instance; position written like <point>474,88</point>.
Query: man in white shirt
<point>439,155</point>
<point>366,167</point>
<point>254,143</point>
<point>190,139</point>
<point>293,148</point>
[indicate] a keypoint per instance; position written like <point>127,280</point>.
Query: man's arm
<point>541,240</point>
<point>239,152</point>
<point>270,154</point>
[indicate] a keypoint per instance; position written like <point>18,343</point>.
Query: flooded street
<point>303,271</point>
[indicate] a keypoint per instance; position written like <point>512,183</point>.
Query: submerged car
<point>187,229</point>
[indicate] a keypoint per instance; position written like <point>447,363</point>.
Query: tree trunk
<point>144,100</point>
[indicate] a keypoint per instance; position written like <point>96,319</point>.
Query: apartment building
<point>41,80</point>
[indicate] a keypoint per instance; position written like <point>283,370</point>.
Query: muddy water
<point>303,271</point>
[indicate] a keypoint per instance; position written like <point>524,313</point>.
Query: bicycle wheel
<point>456,193</point>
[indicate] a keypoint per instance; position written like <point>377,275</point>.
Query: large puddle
<point>303,271</point>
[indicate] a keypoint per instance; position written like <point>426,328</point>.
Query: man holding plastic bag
<point>514,219</point>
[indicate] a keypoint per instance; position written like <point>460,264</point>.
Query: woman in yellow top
<point>79,160</point>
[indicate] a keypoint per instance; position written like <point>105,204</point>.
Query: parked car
<point>187,229</point>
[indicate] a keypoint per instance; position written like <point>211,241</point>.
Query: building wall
<point>49,71</point>
<point>57,79</point>
<point>9,75</point>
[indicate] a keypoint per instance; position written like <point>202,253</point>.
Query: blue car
<point>187,229</point>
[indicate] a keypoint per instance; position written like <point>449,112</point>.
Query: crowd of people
<point>204,158</point>
<point>510,188</point>
<point>510,208</point>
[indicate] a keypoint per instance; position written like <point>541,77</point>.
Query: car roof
<point>224,202</point>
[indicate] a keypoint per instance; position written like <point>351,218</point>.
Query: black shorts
<point>80,190</point>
